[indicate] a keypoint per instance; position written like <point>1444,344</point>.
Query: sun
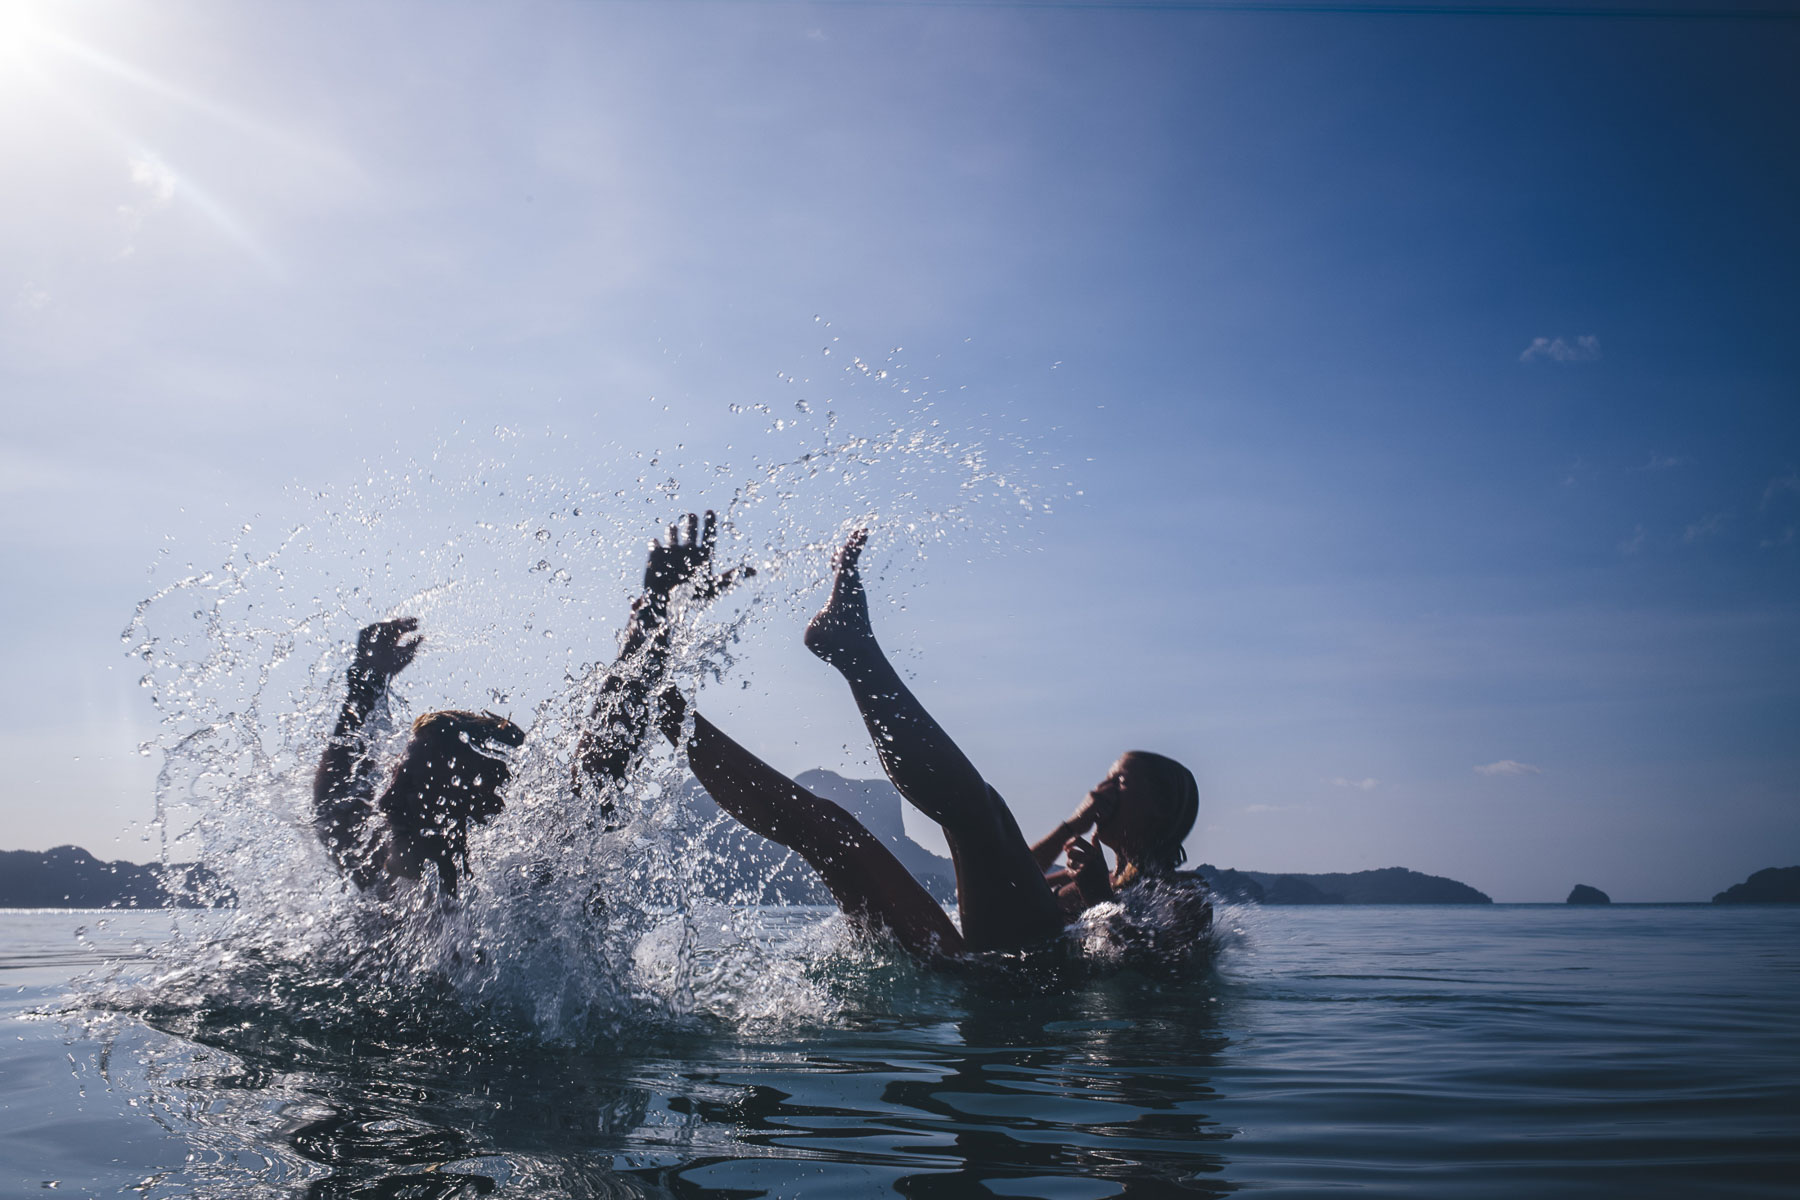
<point>17,29</point>
<point>22,40</point>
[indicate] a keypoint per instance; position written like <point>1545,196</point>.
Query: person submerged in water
<point>1141,812</point>
<point>452,773</point>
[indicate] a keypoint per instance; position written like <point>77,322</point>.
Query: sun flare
<point>20,35</point>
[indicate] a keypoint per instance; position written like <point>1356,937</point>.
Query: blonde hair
<point>1180,794</point>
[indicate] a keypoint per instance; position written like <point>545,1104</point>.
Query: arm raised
<point>344,784</point>
<point>615,730</point>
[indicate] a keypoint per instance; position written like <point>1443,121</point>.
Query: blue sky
<point>1420,390</point>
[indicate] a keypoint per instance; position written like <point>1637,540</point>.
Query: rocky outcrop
<point>1389,885</point>
<point>1775,885</point>
<point>732,864</point>
<point>1236,887</point>
<point>1583,894</point>
<point>70,877</point>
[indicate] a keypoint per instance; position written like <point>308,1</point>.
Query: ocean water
<point>1500,1051</point>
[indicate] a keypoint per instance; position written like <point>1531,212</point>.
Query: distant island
<point>732,864</point>
<point>70,877</point>
<point>1774,885</point>
<point>1388,885</point>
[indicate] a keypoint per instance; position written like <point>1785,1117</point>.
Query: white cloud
<point>1634,543</point>
<point>1705,527</point>
<point>155,180</point>
<point>1782,483</point>
<point>154,176</point>
<point>1664,462</point>
<point>1508,766</point>
<point>1360,785</point>
<point>1585,348</point>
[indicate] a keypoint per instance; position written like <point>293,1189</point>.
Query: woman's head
<point>1145,808</point>
<point>449,776</point>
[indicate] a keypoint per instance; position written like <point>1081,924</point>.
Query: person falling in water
<point>451,773</point>
<point>1141,811</point>
<point>1010,897</point>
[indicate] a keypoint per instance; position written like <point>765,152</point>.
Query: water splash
<point>576,926</point>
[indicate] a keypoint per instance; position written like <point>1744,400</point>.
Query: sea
<point>1458,1051</point>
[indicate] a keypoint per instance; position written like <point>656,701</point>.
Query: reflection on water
<point>1106,1087</point>
<point>1469,1051</point>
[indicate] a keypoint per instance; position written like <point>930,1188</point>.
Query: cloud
<point>155,182</point>
<point>1705,527</point>
<point>1782,483</point>
<point>1664,462</point>
<point>1360,785</point>
<point>155,177</point>
<point>1508,766</point>
<point>1634,543</point>
<point>1585,348</point>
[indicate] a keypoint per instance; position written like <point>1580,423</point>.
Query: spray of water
<point>577,923</point>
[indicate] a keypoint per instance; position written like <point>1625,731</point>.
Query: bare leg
<point>1000,889</point>
<point>865,878</point>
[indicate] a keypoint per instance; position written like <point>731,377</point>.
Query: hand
<point>1098,806</point>
<point>689,561</point>
<point>1088,865</point>
<point>383,650</point>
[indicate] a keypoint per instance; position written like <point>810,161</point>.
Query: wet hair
<point>1180,794</point>
<point>448,777</point>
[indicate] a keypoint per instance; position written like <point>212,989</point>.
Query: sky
<point>1396,411</point>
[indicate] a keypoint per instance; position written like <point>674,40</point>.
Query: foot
<point>841,631</point>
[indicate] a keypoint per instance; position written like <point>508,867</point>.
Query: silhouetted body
<point>1141,811</point>
<point>452,772</point>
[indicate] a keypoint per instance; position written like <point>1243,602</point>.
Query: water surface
<point>1467,1051</point>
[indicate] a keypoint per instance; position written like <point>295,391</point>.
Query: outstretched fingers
<point>386,648</point>
<point>686,557</point>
